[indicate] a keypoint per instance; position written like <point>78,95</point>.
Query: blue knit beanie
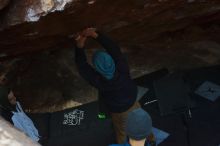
<point>104,64</point>
<point>138,125</point>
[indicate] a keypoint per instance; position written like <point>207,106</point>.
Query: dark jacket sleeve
<point>86,70</point>
<point>114,50</point>
<point>6,115</point>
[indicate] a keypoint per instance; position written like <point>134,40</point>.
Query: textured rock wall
<point>152,33</point>
<point>3,3</point>
<point>144,19</point>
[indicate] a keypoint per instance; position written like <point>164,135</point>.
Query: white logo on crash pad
<point>73,118</point>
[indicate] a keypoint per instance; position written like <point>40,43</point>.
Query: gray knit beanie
<point>138,125</point>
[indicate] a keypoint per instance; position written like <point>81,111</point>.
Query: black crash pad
<point>172,94</point>
<point>204,127</point>
<point>90,131</point>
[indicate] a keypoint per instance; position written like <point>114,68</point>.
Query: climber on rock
<point>110,75</point>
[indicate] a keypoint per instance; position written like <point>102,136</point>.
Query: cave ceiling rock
<point>154,33</point>
<point>31,10</point>
<point>4,3</point>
